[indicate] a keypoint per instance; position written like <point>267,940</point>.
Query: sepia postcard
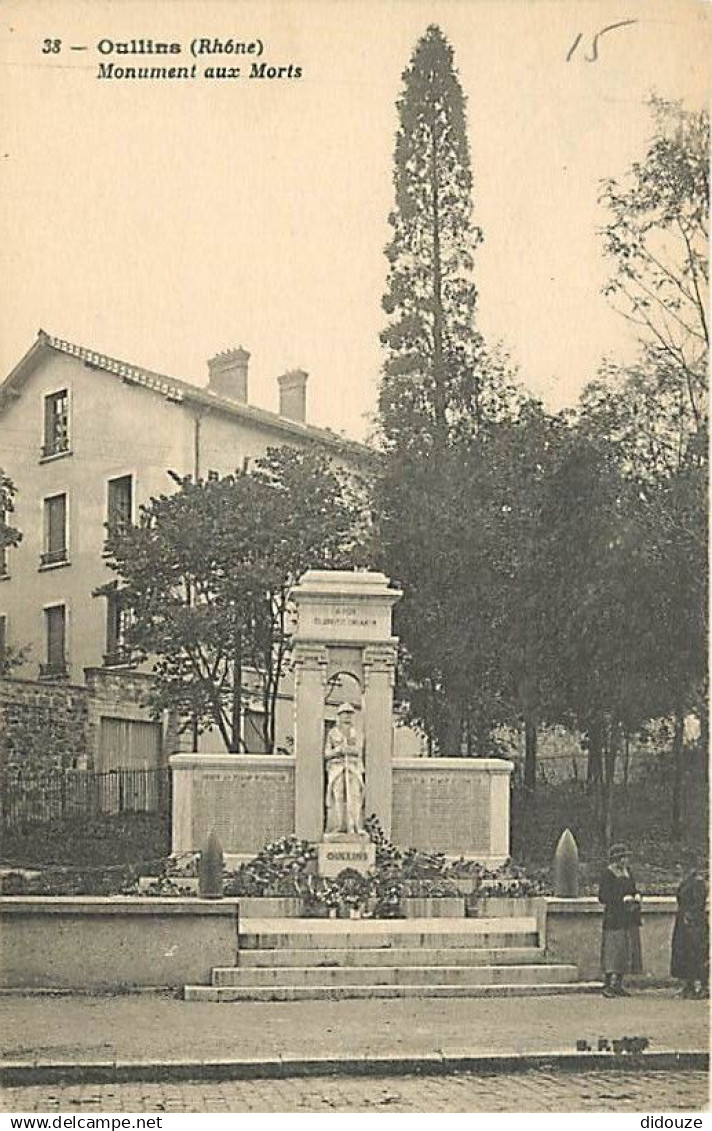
<point>354,806</point>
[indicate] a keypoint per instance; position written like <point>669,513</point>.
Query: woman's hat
<point>618,852</point>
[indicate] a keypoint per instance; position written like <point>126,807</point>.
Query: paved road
<point>154,1027</point>
<point>602,1091</point>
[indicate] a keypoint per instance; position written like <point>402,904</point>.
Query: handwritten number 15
<point>593,57</point>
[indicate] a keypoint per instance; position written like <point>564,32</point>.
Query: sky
<point>161,222</point>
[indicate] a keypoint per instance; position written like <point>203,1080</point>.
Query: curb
<point>639,989</point>
<point>24,1073</point>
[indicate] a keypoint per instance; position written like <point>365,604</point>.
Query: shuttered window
<point>55,530</point>
<point>252,732</point>
<point>129,759</point>
<point>55,628</point>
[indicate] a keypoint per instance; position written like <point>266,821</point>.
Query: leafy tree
<point>598,603</point>
<point>315,517</point>
<point>11,657</point>
<point>623,531</point>
<point>14,657</point>
<point>9,535</point>
<point>449,679</point>
<point>531,451</point>
<point>655,410</point>
<point>657,236</point>
<point>206,575</point>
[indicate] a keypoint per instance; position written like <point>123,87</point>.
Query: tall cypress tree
<point>441,398</point>
<point>431,379</point>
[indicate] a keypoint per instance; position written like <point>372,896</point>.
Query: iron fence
<point>79,794</point>
<point>630,768</point>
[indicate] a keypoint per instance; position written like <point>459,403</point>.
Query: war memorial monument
<point>334,779</point>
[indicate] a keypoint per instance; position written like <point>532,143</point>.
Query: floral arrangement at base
<point>182,866</point>
<point>280,869</point>
<point>286,868</point>
<point>508,881</point>
<point>166,886</point>
<point>346,896</point>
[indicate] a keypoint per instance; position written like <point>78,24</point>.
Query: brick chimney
<point>293,395</point>
<point>228,374</point>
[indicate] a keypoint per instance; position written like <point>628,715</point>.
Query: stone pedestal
<point>336,853</point>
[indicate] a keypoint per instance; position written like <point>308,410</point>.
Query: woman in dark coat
<point>690,938</point>
<point>620,950</point>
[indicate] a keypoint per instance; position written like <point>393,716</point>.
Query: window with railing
<point>119,510</point>
<point>56,423</point>
<point>55,531</point>
<point>55,666</point>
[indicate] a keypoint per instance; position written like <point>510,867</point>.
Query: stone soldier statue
<point>343,755</point>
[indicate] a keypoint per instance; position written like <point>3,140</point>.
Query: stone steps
<point>387,955</point>
<point>325,934</point>
<point>336,993</point>
<point>329,959</point>
<point>245,977</point>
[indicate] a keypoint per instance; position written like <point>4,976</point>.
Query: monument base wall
<point>458,806</point>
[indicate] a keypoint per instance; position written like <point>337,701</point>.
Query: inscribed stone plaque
<point>334,856</point>
<point>442,811</point>
<point>344,620</point>
<point>246,807</point>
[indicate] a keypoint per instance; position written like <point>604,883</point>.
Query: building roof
<point>173,389</point>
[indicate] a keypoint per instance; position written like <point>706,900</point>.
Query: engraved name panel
<point>442,811</point>
<point>246,807</point>
<point>343,620</point>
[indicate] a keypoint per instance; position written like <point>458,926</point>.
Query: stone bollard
<point>210,869</point>
<point>566,867</point>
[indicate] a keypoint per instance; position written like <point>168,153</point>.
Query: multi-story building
<point>86,439</point>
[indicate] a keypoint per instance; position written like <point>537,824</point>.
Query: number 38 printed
<point>51,46</point>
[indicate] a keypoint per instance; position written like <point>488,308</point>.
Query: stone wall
<point>43,727</point>
<point>574,930</point>
<point>46,727</point>
<point>114,943</point>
